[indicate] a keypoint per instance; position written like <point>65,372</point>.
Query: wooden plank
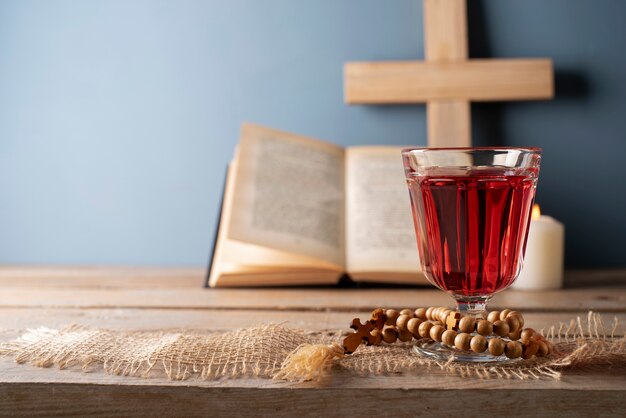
<point>13,322</point>
<point>569,300</point>
<point>193,277</point>
<point>475,80</point>
<point>449,124</point>
<point>138,401</point>
<point>101,276</point>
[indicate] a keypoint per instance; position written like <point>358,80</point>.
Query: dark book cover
<point>217,232</point>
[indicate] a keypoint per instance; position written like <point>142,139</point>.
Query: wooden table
<point>172,299</point>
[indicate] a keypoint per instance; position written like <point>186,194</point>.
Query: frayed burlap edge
<point>276,351</point>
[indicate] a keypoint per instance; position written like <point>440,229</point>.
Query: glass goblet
<point>471,208</point>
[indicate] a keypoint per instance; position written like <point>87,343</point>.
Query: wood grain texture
<point>449,124</point>
<point>445,30</point>
<point>30,399</point>
<point>101,276</point>
<point>113,277</point>
<point>343,300</point>
<point>475,80</point>
<point>445,39</point>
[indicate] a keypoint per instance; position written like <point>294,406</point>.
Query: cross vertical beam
<point>445,37</point>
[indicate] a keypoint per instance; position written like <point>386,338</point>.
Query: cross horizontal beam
<point>474,80</point>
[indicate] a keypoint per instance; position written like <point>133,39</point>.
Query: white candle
<point>543,263</point>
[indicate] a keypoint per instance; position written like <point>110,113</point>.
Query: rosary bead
<point>392,316</point>
<point>513,349</point>
<point>390,335</point>
<point>501,328</point>
<point>543,349</point>
<point>443,315</point>
<point>527,335</point>
<point>413,326</point>
<point>478,344</point>
<point>530,350</point>
<point>515,335</point>
<point>467,324</point>
<point>496,347</point>
<point>518,315</point>
<point>462,341</point>
<point>434,314</point>
<point>424,329</point>
<point>420,313</point>
<point>504,314</point>
<point>407,311</point>
<point>436,331</point>
<point>429,313</point>
<point>493,316</point>
<point>402,321</point>
<point>377,336</point>
<point>405,336</point>
<point>448,337</point>
<point>514,323</point>
<point>484,327</point>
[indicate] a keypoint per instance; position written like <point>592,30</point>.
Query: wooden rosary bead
<point>515,335</point>
<point>405,336</point>
<point>436,331</point>
<point>543,349</point>
<point>390,335</point>
<point>407,311</point>
<point>496,347</point>
<point>513,349</point>
<point>493,316</point>
<point>435,313</point>
<point>443,315</point>
<point>528,351</point>
<point>462,341</point>
<point>484,327</point>
<point>413,326</point>
<point>514,323</point>
<point>448,337</point>
<point>467,324</point>
<point>377,336</point>
<point>392,316</point>
<point>424,329</point>
<point>501,328</point>
<point>402,321</point>
<point>519,316</point>
<point>527,335</point>
<point>504,314</point>
<point>420,313</point>
<point>478,344</point>
<point>429,313</point>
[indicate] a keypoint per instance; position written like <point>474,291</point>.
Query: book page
<point>289,194</point>
<point>379,225</point>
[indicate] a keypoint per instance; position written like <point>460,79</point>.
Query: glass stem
<point>475,306</point>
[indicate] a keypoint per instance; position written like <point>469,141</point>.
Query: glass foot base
<point>438,351</point>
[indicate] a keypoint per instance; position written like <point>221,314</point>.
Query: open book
<point>297,211</point>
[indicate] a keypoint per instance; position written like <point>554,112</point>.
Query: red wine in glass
<point>475,226</point>
<point>471,208</point>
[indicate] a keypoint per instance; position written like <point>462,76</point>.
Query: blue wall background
<point>117,118</point>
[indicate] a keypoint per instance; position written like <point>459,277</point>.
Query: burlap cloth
<point>277,351</point>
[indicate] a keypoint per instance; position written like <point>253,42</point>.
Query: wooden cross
<point>447,81</point>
